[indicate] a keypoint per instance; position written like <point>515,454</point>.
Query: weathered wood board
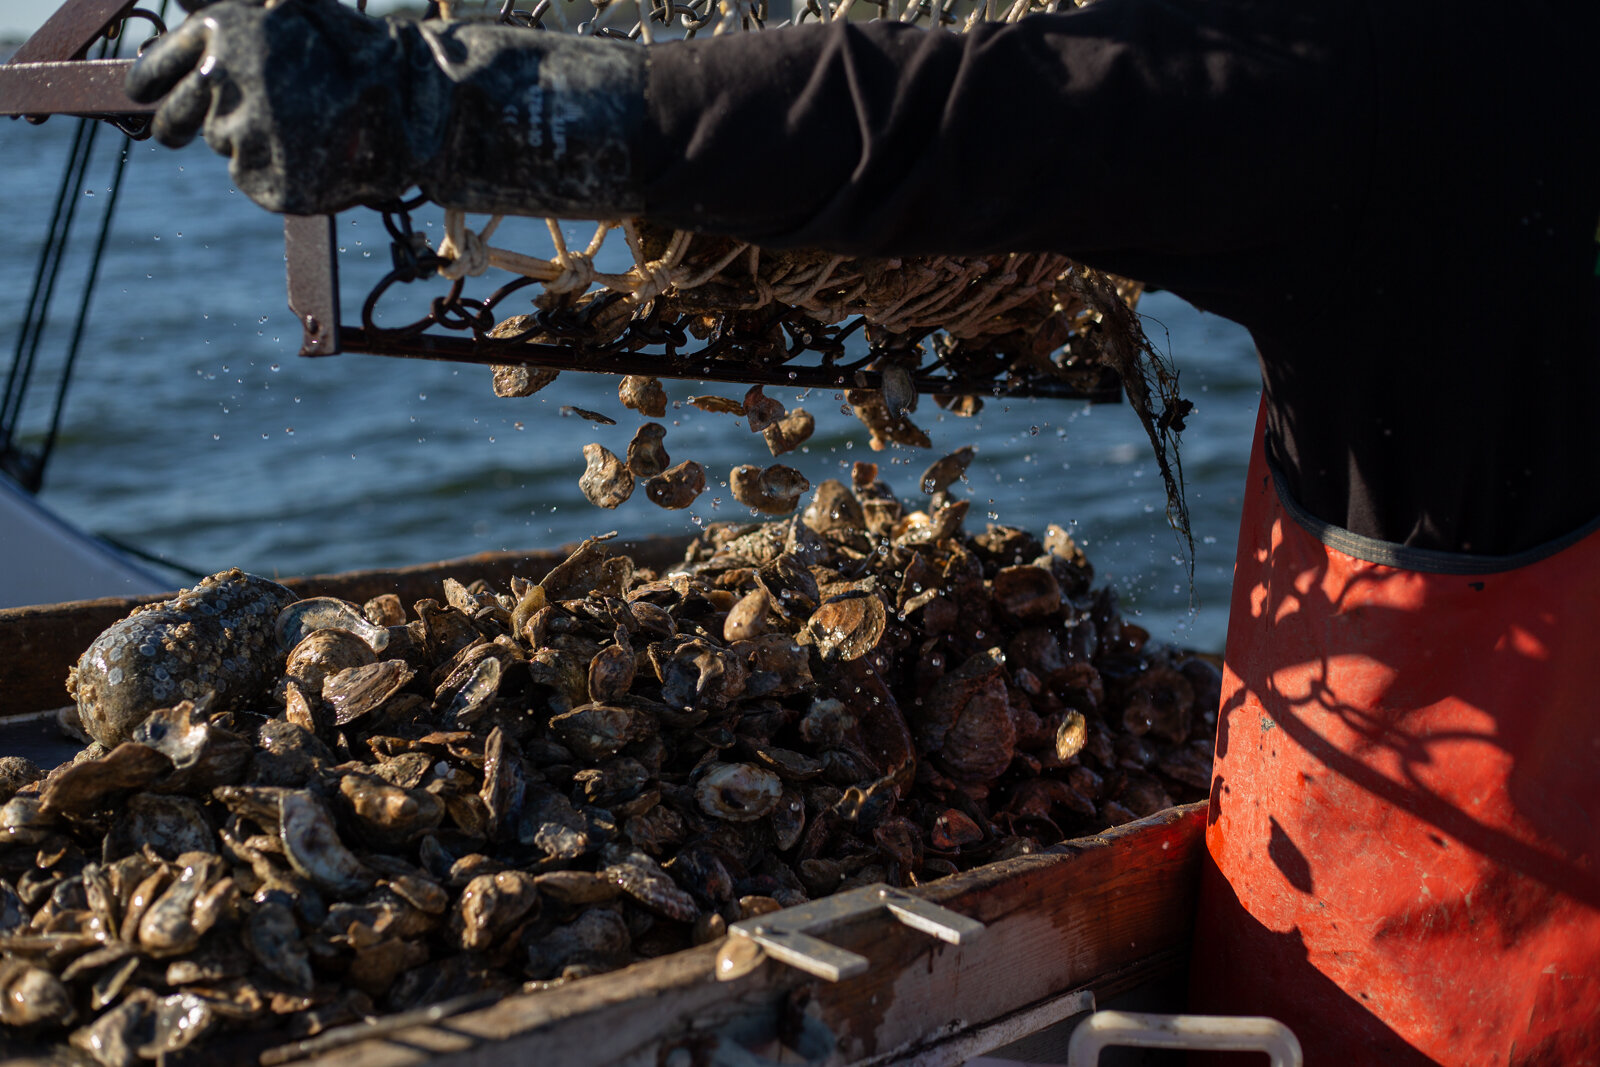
<point>1102,913</point>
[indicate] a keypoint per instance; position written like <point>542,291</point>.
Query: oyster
<point>885,426</point>
<point>313,847</point>
<point>763,411</point>
<point>643,394</point>
<point>647,456</point>
<point>790,432</point>
<point>944,472</point>
<point>677,487</point>
<point>775,490</point>
<point>606,480</point>
<point>739,792</point>
<point>519,379</point>
<point>492,904</point>
<point>304,617</point>
<point>214,638</point>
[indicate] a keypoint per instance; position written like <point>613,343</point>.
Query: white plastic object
<point>1228,1033</point>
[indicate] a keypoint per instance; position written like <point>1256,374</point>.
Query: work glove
<point>319,108</point>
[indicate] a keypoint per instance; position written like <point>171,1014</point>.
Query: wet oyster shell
<point>739,792</point>
<point>643,394</point>
<point>775,490</point>
<point>647,456</point>
<point>606,481</point>
<point>217,637</point>
<point>677,487</point>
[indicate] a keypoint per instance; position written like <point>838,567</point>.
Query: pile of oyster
<point>296,814</point>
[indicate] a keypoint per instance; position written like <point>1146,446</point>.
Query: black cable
<point>71,360</point>
<point>29,470</point>
<point>44,276</point>
<point>150,557</point>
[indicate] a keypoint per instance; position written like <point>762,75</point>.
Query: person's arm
<point>1163,127</point>
<point>1170,127</point>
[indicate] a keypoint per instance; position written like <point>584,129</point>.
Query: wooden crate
<point>1099,915</point>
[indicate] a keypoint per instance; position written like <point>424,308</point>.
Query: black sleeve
<point>1152,127</point>
<point>1397,199</point>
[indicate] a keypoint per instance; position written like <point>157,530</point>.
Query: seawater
<point>193,430</point>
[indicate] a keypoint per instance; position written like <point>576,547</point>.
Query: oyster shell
<point>677,487</point>
<point>776,489</point>
<point>790,431</point>
<point>643,394</point>
<point>647,456</point>
<point>606,481</point>
<point>304,617</point>
<point>213,638</point>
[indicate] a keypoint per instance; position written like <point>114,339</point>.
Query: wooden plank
<point>42,642</point>
<point>1098,913</point>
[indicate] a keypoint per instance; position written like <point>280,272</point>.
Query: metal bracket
<point>313,269</point>
<point>789,935</point>
<point>48,74</point>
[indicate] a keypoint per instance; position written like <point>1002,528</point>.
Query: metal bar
<point>91,87</point>
<point>313,270</point>
<point>810,954</point>
<point>563,357</point>
<point>930,918</point>
<point>786,935</point>
<point>69,32</point>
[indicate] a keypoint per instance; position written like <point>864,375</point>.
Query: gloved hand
<point>320,108</point>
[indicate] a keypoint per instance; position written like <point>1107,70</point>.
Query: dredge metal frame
<point>49,74</point>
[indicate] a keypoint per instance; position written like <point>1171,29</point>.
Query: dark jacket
<point>1400,201</point>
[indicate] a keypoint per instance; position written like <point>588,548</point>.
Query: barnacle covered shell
<point>216,637</point>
